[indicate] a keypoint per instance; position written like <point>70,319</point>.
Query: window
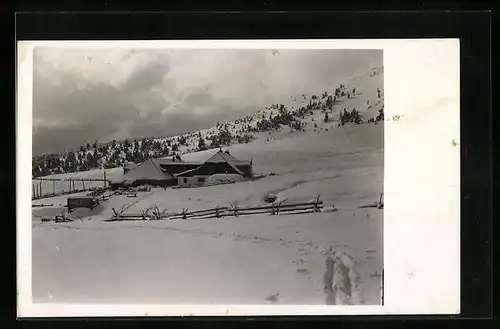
<point>185,180</point>
<point>201,179</point>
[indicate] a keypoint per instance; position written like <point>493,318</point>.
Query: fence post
<point>70,185</point>
<point>83,184</point>
<point>316,209</point>
<point>380,200</point>
<point>54,187</point>
<point>217,212</point>
<point>236,209</point>
<point>104,178</point>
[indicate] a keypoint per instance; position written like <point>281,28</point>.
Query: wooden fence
<point>41,205</point>
<point>219,212</point>
<point>107,197</point>
<point>378,205</point>
<point>72,189</point>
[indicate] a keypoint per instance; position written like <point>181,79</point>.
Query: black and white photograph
<point>208,176</point>
<point>272,177</point>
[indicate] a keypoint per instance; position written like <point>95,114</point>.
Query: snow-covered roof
<point>186,172</point>
<point>149,169</point>
<point>221,157</point>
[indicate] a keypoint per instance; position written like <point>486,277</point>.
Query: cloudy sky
<point>82,95</point>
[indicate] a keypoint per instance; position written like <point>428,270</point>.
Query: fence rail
<point>71,179</point>
<point>50,195</point>
<point>219,212</point>
<point>38,187</point>
<point>106,197</point>
<point>378,205</point>
<point>42,205</point>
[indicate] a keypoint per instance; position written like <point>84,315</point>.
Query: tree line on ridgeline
<point>118,153</point>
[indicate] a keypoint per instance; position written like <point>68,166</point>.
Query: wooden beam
<point>68,179</point>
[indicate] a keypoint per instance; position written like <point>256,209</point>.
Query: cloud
<point>145,77</point>
<point>82,95</point>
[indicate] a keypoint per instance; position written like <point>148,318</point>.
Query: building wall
<point>114,185</point>
<point>247,170</point>
<point>162,183</point>
<point>193,180</point>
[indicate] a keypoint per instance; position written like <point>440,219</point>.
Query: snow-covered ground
<point>248,259</point>
<point>228,261</point>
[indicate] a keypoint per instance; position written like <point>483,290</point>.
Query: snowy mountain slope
<point>306,111</point>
